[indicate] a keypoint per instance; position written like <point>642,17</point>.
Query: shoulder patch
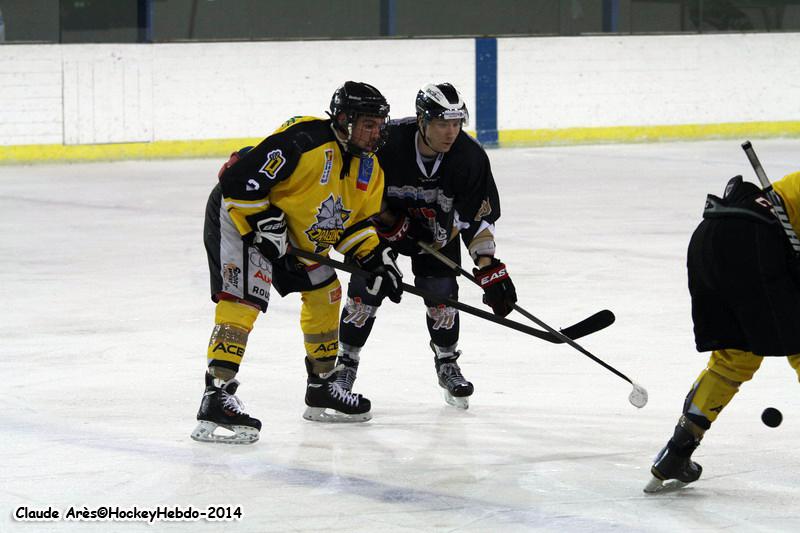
<point>484,210</point>
<point>275,161</point>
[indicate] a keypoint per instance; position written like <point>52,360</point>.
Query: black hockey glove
<point>270,232</point>
<point>385,279</point>
<point>499,291</point>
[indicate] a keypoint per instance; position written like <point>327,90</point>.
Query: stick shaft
<point>777,204</point>
<point>455,266</point>
<point>352,269</point>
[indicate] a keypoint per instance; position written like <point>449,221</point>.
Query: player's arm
<point>246,180</point>
<point>478,209</point>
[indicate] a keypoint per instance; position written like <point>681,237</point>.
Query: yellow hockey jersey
<point>327,195</point>
<point>788,188</point>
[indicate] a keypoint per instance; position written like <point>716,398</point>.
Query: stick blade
<point>587,326</point>
<point>638,396</point>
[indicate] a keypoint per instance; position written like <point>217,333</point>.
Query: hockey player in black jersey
<point>314,184</point>
<point>439,187</point>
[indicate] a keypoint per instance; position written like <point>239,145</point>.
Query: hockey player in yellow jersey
<point>313,185</point>
<point>744,280</point>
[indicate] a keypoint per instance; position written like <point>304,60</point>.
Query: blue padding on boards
<point>486,90</point>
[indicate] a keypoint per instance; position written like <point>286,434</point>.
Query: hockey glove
<point>403,235</point>
<point>270,232</point>
<point>499,291</point>
<point>385,278</point>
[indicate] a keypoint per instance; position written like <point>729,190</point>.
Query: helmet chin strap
<point>422,134</point>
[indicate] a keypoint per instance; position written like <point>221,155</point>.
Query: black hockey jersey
<point>454,193</point>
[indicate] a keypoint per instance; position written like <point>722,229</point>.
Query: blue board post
<point>486,91</point>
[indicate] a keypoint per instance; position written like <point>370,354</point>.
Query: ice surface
<point>106,317</point>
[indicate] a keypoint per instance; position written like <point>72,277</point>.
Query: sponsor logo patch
<point>364,173</point>
<point>331,347</point>
<point>232,349</point>
<point>335,295</point>
<point>326,169</point>
<point>231,274</point>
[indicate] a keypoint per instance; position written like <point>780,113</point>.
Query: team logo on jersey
<point>364,173</point>
<point>275,161</point>
<point>331,216</point>
<point>326,170</point>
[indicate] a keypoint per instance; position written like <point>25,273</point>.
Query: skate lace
<point>450,373</point>
<point>342,395</point>
<point>232,403</point>
<point>346,378</point>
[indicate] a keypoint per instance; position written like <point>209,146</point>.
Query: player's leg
<point>240,287</point>
<point>711,392</point>
<point>794,362</point>
<point>442,322</point>
<point>355,325</point>
<point>327,401</point>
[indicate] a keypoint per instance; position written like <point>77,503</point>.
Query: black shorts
<point>239,270</point>
<point>744,293</point>
<point>427,266</point>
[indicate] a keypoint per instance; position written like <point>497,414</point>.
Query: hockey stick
<point>637,397</point>
<point>596,322</point>
<point>777,204</point>
<point>353,269</point>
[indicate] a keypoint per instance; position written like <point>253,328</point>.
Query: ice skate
<point>455,387</point>
<point>220,408</point>
<point>328,401</point>
<point>347,375</point>
<point>673,467</point>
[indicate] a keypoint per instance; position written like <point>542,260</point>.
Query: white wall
<point>79,94</point>
<point>563,82</point>
<point>248,89</point>
<point>31,106</point>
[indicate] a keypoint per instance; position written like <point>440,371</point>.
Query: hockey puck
<point>772,417</point>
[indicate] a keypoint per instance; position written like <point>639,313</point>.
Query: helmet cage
<point>355,99</point>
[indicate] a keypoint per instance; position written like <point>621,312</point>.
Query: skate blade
<point>323,414</point>
<point>461,402</point>
<point>657,485</point>
<point>204,432</point>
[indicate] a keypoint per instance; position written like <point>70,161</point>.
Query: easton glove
<point>499,291</point>
<point>385,278</point>
<point>270,232</point>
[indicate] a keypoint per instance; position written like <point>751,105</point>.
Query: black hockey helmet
<point>443,101</point>
<point>354,99</point>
